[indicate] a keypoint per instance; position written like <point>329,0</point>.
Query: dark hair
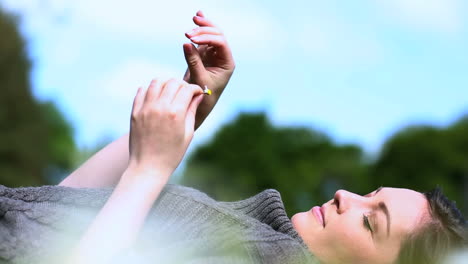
<point>441,235</point>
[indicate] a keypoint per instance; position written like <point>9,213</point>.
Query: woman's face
<point>362,229</point>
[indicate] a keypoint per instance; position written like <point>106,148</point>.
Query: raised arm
<point>210,64</point>
<point>162,127</point>
<point>103,169</point>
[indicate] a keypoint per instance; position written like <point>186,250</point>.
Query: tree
<point>422,157</point>
<point>35,139</point>
<point>250,155</point>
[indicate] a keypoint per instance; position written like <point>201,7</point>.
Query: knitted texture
<point>42,224</point>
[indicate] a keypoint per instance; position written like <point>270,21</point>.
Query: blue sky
<point>358,70</point>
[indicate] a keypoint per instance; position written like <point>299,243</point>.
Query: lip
<point>318,213</point>
<point>322,210</point>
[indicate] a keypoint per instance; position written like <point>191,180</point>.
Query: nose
<point>345,200</point>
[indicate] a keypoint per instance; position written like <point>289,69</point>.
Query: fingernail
<point>190,32</point>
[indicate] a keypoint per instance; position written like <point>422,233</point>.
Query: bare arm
<point>120,219</point>
<point>103,169</point>
<point>211,64</point>
<point>161,129</point>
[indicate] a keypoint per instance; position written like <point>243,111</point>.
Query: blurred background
<point>326,94</point>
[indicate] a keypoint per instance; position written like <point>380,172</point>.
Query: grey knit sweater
<point>41,225</point>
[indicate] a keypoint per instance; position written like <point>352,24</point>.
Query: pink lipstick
<point>317,211</point>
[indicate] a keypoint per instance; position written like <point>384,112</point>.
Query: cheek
<point>356,245</point>
<point>343,240</point>
<point>349,242</point>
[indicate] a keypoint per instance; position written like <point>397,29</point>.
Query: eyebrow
<point>382,206</point>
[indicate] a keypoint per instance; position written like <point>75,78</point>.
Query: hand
<point>162,125</point>
<point>210,64</point>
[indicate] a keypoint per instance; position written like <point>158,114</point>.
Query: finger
<point>202,49</point>
<point>169,91</point>
<point>200,13</point>
<point>187,74</point>
<point>153,91</point>
<point>203,22</point>
<point>138,101</point>
<point>194,62</point>
<point>212,40</point>
<point>190,116</point>
<point>184,96</point>
<point>203,30</point>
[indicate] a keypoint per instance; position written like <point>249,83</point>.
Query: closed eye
<point>366,223</point>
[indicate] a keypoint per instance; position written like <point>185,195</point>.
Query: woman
<point>144,220</point>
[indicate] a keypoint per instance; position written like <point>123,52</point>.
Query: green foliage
<point>35,140</point>
<point>250,155</point>
<point>422,157</point>
<point>244,157</point>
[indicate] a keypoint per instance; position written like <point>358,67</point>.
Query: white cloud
<point>331,41</point>
<point>109,99</point>
<point>249,29</point>
<point>38,13</point>
<point>102,106</point>
<point>121,83</point>
<point>146,19</point>
<point>65,47</point>
<point>438,15</point>
<point>43,24</point>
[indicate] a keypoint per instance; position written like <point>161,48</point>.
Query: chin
<point>295,219</point>
<point>301,221</point>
